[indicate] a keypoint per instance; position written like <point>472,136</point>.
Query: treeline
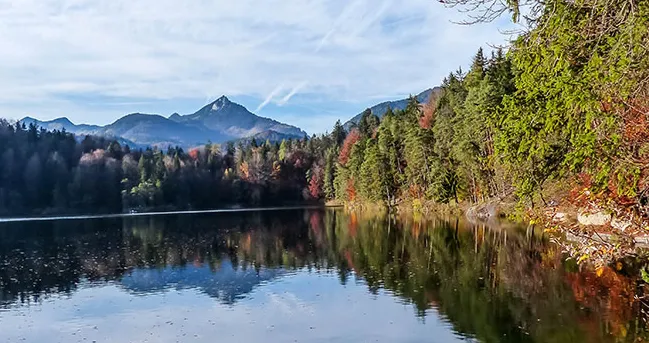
<point>54,172</point>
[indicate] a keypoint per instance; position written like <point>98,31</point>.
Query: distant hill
<point>218,122</point>
<point>62,123</point>
<point>268,135</point>
<point>380,109</point>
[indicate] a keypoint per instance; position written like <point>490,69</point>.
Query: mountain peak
<point>175,117</point>
<point>220,103</point>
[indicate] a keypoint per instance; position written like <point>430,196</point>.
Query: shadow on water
<point>490,284</point>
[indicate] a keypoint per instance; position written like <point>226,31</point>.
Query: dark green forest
<point>562,109</point>
<point>54,172</point>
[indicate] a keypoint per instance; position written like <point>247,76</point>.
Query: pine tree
<point>329,174</point>
<point>372,177</point>
<point>283,149</point>
<point>338,134</point>
<point>143,168</point>
<point>368,123</point>
<point>390,147</point>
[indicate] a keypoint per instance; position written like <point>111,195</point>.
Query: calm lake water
<point>302,276</point>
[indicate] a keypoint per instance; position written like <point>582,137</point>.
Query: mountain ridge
<point>219,121</point>
<point>381,108</point>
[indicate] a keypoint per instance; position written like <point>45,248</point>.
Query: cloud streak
<point>269,97</point>
<point>290,94</point>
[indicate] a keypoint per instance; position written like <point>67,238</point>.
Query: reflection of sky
<point>303,307</point>
<point>226,283</point>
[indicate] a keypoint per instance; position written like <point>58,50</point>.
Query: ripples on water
<point>301,275</point>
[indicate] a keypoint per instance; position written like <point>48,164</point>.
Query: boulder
<point>559,217</point>
<point>594,219</point>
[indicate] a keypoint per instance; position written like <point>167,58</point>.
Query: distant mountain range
<point>219,121</point>
<point>380,109</point>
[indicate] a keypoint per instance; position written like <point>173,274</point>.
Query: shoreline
<point>163,213</point>
<point>593,236</point>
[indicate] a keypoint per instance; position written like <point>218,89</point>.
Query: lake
<point>303,275</point>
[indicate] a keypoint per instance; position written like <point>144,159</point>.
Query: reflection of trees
<point>248,240</point>
<point>41,258</point>
<point>494,284</point>
<point>53,257</point>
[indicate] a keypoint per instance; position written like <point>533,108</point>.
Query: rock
<point>620,224</point>
<point>642,241</point>
<point>559,217</point>
<point>594,219</point>
<point>482,212</point>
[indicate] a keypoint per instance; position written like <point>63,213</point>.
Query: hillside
<point>380,109</point>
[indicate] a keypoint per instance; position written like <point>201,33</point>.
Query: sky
<point>302,62</point>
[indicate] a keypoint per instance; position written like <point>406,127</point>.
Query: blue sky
<point>303,62</point>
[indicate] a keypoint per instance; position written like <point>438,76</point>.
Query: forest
<point>561,111</point>
<point>47,172</point>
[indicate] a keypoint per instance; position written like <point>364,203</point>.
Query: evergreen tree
<point>368,123</point>
<point>372,177</point>
<point>283,149</point>
<point>338,134</point>
<point>329,174</point>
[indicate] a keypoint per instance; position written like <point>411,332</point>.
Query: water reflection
<point>460,281</point>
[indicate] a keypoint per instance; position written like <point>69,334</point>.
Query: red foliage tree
<point>353,137</point>
<point>194,154</point>
<point>298,159</point>
<point>316,182</point>
<point>427,117</point>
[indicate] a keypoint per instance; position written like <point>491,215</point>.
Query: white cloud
<point>167,49</point>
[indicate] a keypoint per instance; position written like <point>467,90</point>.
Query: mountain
<point>62,123</point>
<point>156,130</point>
<point>235,120</point>
<point>219,121</point>
<point>380,109</point>
<point>80,131</point>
